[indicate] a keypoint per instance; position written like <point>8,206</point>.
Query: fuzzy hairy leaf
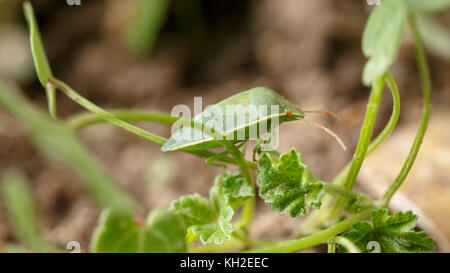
<point>394,233</point>
<point>381,38</point>
<point>288,184</point>
<point>211,219</point>
<point>217,231</point>
<point>117,232</point>
<point>235,187</point>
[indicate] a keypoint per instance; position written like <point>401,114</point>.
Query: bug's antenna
<point>329,132</point>
<point>336,117</point>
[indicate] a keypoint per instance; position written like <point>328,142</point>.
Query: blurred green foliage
<point>55,140</point>
<point>146,25</point>
<point>18,199</point>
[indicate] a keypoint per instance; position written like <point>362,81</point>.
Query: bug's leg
<point>211,160</point>
<point>257,149</point>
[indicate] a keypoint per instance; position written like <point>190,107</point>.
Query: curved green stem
<point>103,115</point>
<point>247,215</point>
<point>84,119</point>
<point>249,206</point>
<point>340,178</point>
<point>331,248</point>
<point>317,217</point>
<point>316,238</point>
<point>191,236</point>
<point>426,90</point>
<point>364,140</point>
<point>366,132</point>
<point>72,94</point>
<point>346,243</point>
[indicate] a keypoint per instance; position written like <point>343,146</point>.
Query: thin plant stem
<point>191,236</point>
<point>424,74</point>
<point>316,238</point>
<point>346,243</point>
<point>364,140</point>
<point>249,206</point>
<point>247,215</point>
<point>366,132</point>
<point>331,248</point>
<point>72,94</point>
<point>51,100</point>
<point>84,119</point>
<point>340,178</point>
<point>319,216</point>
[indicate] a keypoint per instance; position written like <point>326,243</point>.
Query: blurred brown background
<point>309,51</point>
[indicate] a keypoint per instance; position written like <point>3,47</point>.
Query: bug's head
<point>265,96</point>
<point>292,111</point>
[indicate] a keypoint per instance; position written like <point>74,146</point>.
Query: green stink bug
<point>243,116</point>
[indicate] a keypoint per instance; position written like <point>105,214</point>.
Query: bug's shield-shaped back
<point>230,122</point>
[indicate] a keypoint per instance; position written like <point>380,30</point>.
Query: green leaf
<point>117,232</point>
<point>428,5</point>
<point>53,139</point>
<point>17,197</point>
<point>394,233</point>
<point>194,210</point>
<point>235,187</point>
<point>211,219</point>
<point>288,184</point>
<point>41,63</point>
<point>164,232</point>
<point>381,38</point>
